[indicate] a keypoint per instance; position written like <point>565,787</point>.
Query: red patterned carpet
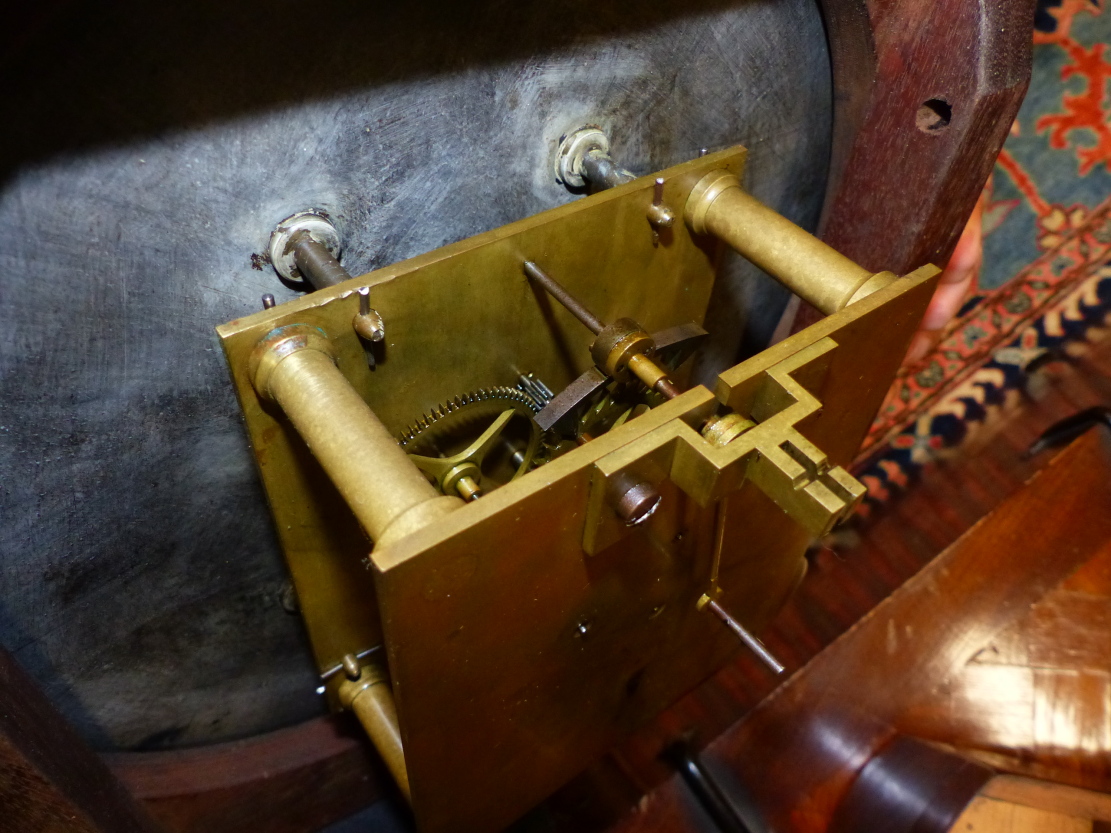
<point>1045,286</point>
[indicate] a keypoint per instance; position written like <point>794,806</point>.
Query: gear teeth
<point>425,421</point>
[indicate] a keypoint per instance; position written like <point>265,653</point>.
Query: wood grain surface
<point>926,93</point>
<point>50,781</point>
<point>798,752</point>
<point>1044,795</point>
<point>892,160</point>
<point>1037,697</point>
<point>286,781</point>
<point>989,815</point>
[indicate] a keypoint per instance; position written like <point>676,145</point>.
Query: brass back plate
<point>460,318</point>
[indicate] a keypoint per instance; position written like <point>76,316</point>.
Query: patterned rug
<point>1045,286</point>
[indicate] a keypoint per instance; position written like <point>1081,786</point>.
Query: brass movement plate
<point>516,657</point>
<point>526,633</point>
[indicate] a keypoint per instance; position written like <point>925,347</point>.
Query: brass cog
<point>613,406</point>
<point>475,441</point>
<point>609,408</point>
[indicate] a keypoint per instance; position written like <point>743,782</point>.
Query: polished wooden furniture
<point>998,650</point>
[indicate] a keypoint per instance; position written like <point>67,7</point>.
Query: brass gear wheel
<point>475,441</point>
<point>613,406</point>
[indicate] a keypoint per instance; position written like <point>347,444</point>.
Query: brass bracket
<point>775,455</point>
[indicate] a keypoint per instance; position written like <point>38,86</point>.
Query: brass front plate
<point>460,318</point>
<point>516,657</point>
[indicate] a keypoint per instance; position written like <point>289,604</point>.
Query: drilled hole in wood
<point>934,115</point>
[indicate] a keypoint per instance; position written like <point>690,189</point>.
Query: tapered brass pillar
<point>369,695</point>
<point>808,267</point>
<point>294,366</point>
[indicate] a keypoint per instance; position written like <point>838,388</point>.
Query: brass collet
<point>722,430</point>
<point>280,343</point>
<point>617,344</point>
<point>816,272</point>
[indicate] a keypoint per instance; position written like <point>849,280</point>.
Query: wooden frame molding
<point>50,781</point>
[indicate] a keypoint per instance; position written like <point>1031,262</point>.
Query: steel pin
<point>368,323</point>
<point>750,641</point>
<point>572,304</point>
<point>659,215</point>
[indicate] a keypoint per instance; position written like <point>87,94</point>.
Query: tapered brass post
<point>808,267</point>
<point>367,693</point>
<point>294,366</point>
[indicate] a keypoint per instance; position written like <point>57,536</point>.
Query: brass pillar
<point>807,266</point>
<point>294,367</point>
